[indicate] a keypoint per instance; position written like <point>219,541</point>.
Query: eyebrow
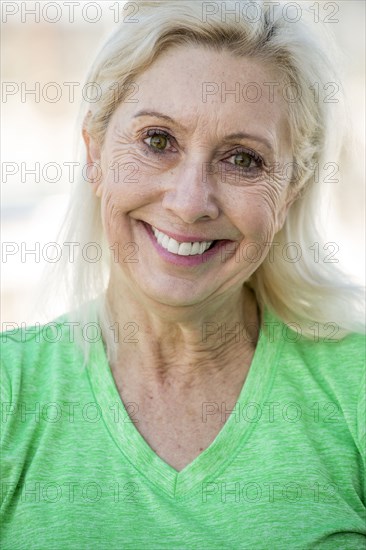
<point>157,115</point>
<point>243,135</point>
<point>230,137</point>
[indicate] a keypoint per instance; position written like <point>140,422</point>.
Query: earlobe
<point>93,168</point>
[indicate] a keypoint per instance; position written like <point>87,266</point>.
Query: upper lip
<point>185,238</point>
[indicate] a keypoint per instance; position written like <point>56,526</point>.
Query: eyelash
<point>156,131</point>
<point>252,154</point>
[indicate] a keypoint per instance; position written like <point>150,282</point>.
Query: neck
<point>182,347</point>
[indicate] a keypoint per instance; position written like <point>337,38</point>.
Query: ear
<point>93,156</point>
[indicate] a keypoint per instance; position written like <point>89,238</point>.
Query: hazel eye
<point>157,141</point>
<point>244,160</point>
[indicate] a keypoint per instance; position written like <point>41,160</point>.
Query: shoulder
<point>342,359</point>
<point>33,356</point>
<point>324,351</point>
<point>26,344</point>
<point>331,373</point>
<point>339,368</point>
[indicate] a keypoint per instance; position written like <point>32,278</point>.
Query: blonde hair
<point>305,291</point>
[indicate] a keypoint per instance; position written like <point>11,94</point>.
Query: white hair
<point>310,290</point>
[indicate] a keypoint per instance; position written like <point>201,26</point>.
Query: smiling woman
<point>169,147</point>
<point>224,377</point>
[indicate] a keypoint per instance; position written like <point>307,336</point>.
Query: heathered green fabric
<point>285,472</point>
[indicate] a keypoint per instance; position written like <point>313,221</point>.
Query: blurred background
<point>57,44</point>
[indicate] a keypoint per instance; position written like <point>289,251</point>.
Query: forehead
<point>200,87</point>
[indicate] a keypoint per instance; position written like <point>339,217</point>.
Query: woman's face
<point>196,159</point>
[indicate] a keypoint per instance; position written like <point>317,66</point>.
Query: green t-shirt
<point>286,471</point>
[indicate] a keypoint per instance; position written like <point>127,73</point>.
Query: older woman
<point>223,406</point>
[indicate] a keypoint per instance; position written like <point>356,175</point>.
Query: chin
<point>175,293</point>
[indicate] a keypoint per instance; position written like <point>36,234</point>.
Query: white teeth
<point>196,247</point>
<point>182,249</point>
<point>173,246</point>
<point>165,241</point>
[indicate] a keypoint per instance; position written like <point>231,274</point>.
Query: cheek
<point>254,210</point>
<point>127,181</point>
<point>111,215</point>
<point>132,182</point>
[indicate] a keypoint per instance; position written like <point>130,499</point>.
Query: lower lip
<point>189,261</point>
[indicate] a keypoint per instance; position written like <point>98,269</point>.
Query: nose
<point>190,195</point>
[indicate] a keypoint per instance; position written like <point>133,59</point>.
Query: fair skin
<point>172,369</point>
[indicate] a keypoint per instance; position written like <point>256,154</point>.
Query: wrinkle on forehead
<point>174,84</point>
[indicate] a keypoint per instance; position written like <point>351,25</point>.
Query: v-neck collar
<point>225,447</point>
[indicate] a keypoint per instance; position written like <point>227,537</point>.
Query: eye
<point>246,160</point>
<point>158,141</point>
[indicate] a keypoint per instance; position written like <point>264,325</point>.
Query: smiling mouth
<point>181,248</point>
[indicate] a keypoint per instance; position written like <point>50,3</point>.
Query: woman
<point>223,407</point>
